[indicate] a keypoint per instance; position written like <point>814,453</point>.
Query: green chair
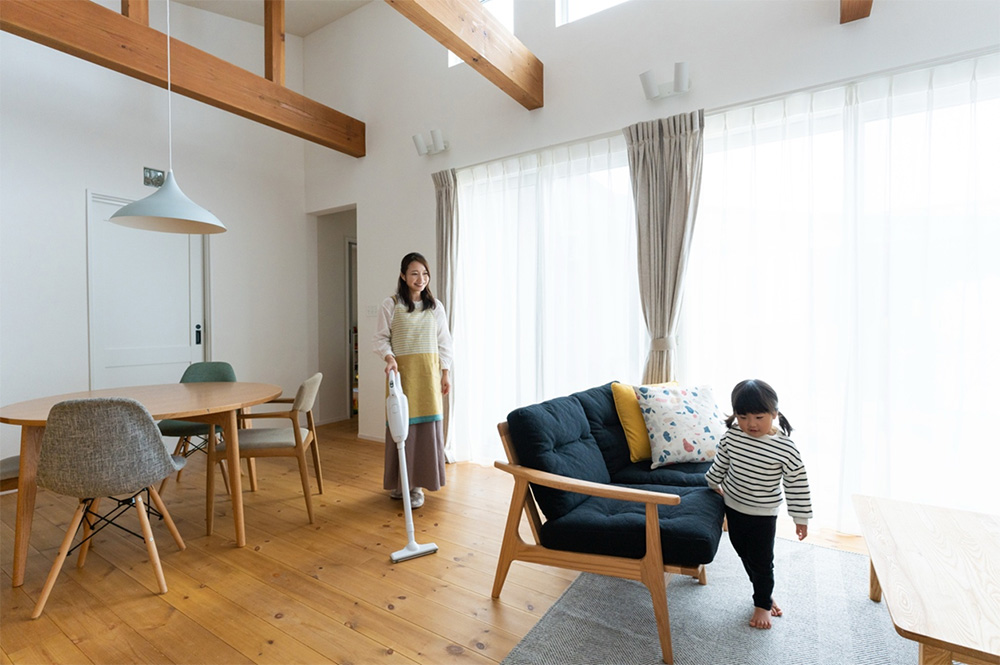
<point>191,436</point>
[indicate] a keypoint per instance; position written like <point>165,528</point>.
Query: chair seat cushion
<point>689,532</point>
<point>686,474</point>
<point>267,437</point>
<point>182,428</point>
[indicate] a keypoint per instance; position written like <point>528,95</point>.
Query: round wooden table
<point>211,403</point>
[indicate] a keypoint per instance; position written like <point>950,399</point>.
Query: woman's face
<point>416,277</point>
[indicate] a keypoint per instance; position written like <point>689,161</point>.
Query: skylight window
<point>568,11</point>
<point>503,11</point>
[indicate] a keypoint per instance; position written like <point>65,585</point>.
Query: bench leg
<point>934,656</point>
<point>874,588</point>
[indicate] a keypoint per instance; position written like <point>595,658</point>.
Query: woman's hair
<point>403,291</point>
<point>755,396</point>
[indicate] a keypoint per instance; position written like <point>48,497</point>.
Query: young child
<point>751,462</point>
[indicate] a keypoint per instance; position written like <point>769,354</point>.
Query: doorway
<point>339,345</point>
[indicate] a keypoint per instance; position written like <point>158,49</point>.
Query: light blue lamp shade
<point>168,210</point>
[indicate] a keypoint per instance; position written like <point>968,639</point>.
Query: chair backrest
<point>208,372</point>
<point>101,447</point>
<point>306,394</point>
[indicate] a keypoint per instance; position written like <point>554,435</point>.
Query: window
<point>547,294</point>
<point>844,252</point>
<point>568,11</point>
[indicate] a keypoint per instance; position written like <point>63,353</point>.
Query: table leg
<point>230,431</point>
<point>210,482</point>
<point>31,445</point>
<point>874,588</point>
<point>931,655</point>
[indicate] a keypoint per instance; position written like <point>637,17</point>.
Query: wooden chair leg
<point>171,527</point>
<point>147,535</point>
<point>651,567</point>
<point>252,473</point>
<point>511,536</point>
<point>88,527</point>
<point>60,559</point>
<point>304,476</point>
<point>317,467</point>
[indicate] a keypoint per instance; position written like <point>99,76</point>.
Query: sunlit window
<point>568,11</point>
<point>502,10</point>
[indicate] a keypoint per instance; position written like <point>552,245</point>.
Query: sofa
<point>603,513</point>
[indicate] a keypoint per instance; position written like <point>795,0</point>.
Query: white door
<point>146,300</point>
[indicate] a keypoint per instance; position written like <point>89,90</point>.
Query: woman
<point>412,337</point>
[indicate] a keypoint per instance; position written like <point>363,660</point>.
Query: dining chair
<point>105,447</point>
<point>10,468</point>
<point>289,440</point>
<point>185,430</point>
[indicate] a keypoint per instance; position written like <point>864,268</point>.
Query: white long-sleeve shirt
<point>752,470</point>
<point>382,345</point>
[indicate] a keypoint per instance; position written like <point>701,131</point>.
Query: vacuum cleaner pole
<point>398,415</point>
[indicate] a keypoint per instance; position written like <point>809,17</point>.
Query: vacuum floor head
<point>412,551</point>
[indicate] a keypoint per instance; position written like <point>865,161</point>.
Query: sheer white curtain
<point>547,299</point>
<point>846,253</point>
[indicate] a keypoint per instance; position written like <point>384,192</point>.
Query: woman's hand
<point>801,530</point>
<point>390,364</point>
<point>445,382</point>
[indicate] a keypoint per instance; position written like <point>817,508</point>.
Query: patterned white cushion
<point>684,423</point>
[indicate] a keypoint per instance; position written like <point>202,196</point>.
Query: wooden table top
<point>939,570</point>
<point>171,400</point>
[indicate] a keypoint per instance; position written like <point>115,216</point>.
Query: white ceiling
<point>301,16</point>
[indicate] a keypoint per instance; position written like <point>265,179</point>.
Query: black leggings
<point>752,537</point>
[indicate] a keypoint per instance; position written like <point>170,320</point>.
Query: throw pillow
<point>632,422</point>
<point>683,424</point>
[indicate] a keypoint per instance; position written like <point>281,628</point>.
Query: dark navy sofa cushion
<point>689,532</point>
<point>605,426</point>
<point>555,436</point>
<point>687,474</point>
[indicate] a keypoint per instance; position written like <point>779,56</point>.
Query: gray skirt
<point>424,457</point>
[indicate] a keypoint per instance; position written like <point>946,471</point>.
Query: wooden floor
<point>297,593</point>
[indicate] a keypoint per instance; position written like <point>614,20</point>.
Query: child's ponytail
<point>786,427</point>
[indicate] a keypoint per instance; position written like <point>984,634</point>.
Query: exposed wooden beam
<point>274,41</point>
<point>852,10</point>
<point>137,10</point>
<point>99,35</point>
<point>473,34</point>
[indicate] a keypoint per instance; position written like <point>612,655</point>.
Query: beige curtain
<point>447,253</point>
<point>665,158</point>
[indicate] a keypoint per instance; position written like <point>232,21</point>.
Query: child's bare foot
<point>761,618</point>
<point>775,610</point>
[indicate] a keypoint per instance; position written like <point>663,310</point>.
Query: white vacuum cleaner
<point>397,409</point>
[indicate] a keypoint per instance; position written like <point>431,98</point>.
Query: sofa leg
<point>508,547</point>
<point>653,577</point>
<point>702,576</point>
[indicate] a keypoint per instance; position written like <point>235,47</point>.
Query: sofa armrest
<point>587,487</point>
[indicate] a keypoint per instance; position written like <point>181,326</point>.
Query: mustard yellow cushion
<point>627,405</point>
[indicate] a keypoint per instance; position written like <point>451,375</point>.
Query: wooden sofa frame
<point>649,569</point>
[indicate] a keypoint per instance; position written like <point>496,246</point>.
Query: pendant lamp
<point>168,209</point>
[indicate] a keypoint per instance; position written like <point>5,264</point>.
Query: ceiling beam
<point>99,35</point>
<point>852,10</point>
<point>274,41</point>
<point>469,31</point>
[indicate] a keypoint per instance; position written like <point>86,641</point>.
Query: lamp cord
<point>170,130</point>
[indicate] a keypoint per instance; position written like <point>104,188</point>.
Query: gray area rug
<point>828,617</point>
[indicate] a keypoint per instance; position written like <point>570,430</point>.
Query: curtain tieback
<point>668,343</point>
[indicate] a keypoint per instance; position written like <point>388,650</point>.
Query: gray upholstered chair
<point>185,430</point>
<point>291,440</point>
<point>104,447</point>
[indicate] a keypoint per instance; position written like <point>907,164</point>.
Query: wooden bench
<point>939,570</point>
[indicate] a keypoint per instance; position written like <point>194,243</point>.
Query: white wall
<point>67,126</point>
<point>378,67</point>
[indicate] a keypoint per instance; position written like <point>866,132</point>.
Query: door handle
<point>197,334</point>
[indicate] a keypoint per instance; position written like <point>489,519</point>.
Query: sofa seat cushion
<point>686,474</point>
<point>689,532</point>
<point>555,436</point>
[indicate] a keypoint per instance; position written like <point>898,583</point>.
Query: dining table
<point>211,403</point>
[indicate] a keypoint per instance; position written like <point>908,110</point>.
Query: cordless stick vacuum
<point>397,409</point>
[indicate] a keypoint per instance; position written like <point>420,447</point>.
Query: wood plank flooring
<point>298,592</point>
